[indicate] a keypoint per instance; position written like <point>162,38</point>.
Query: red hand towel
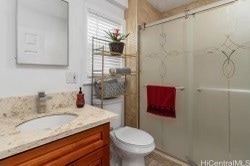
<point>161,100</point>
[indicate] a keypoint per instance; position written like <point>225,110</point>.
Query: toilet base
<point>133,162</point>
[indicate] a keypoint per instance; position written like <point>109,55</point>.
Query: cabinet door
<point>97,158</point>
<point>63,151</point>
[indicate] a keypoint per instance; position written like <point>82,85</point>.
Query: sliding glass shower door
<point>164,62</point>
<point>207,54</point>
<point>222,76</point>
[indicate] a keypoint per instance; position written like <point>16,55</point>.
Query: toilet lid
<point>133,136</point>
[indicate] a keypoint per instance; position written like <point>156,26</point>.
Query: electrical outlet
<point>71,78</point>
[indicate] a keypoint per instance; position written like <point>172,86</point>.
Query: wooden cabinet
<point>88,148</point>
<point>97,158</point>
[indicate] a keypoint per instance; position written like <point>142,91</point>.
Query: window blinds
<point>96,26</point>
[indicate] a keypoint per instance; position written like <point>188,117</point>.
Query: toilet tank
<point>115,105</point>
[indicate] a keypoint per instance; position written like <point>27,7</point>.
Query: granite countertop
<point>13,141</point>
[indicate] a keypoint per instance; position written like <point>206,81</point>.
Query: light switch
<point>71,78</point>
<point>75,78</point>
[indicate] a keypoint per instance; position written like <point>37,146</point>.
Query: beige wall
<point>131,113</point>
<point>139,11</point>
<point>147,13</point>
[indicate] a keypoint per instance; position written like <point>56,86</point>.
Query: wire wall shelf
<point>101,53</point>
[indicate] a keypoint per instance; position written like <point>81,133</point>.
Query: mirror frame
<point>41,64</point>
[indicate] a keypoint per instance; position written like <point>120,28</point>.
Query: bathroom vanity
<point>85,148</point>
<point>83,141</point>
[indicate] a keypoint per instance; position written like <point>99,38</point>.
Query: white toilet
<point>129,145</point>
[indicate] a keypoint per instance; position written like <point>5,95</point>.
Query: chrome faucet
<point>42,102</point>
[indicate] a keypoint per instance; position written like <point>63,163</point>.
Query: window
<point>97,24</point>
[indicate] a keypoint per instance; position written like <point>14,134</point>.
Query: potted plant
<point>116,46</point>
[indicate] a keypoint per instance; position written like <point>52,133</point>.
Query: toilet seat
<point>134,137</point>
<point>131,145</point>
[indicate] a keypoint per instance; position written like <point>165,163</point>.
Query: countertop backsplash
<point>13,106</point>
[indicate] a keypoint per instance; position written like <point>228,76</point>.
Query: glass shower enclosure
<point>206,56</point>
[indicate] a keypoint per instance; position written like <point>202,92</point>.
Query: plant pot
<point>116,48</point>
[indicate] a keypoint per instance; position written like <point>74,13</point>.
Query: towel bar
<point>177,87</point>
<point>222,90</point>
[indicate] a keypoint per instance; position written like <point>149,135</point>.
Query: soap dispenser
<point>80,101</point>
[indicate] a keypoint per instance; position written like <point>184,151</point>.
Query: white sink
<point>46,122</point>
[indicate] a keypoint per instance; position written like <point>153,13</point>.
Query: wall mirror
<point>42,32</point>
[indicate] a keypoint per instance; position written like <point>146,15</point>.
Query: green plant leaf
<point>115,38</point>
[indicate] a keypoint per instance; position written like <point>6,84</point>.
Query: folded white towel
<point>120,71</point>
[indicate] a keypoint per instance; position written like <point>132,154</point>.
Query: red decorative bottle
<point>80,101</point>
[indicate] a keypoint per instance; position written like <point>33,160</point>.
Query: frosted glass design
<point>222,117</point>
<point>212,54</point>
<point>163,62</point>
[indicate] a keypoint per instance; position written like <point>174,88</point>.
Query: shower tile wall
<point>139,11</point>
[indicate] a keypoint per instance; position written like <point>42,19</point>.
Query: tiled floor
<point>155,159</point>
